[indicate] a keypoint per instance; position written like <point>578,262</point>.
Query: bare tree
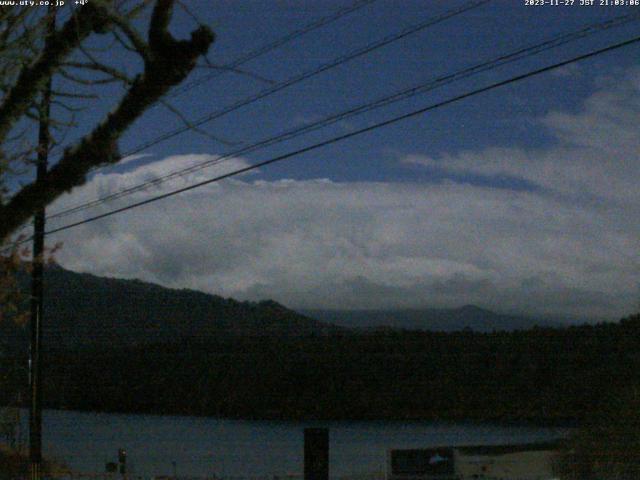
<point>71,54</point>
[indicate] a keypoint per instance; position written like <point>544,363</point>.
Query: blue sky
<point>454,44</point>
<point>517,199</point>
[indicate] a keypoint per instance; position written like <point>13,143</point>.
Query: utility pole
<point>316,454</point>
<point>35,360</point>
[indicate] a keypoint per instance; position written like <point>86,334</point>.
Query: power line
<point>354,133</point>
<point>314,25</point>
<point>306,75</point>
<point>258,52</point>
<point>312,73</point>
<point>518,54</point>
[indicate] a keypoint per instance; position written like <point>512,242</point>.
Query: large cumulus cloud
<point>567,244</point>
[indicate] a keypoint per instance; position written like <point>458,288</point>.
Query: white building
<point>534,461</point>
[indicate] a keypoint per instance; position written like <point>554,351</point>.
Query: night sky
<point>523,199</point>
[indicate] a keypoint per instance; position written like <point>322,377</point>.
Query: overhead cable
<point>421,88</point>
<point>352,134</point>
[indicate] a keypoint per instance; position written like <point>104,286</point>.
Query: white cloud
<point>595,156</point>
<point>569,246</point>
<point>133,158</point>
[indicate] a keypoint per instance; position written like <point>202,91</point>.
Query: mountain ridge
<point>468,316</point>
<point>83,309</point>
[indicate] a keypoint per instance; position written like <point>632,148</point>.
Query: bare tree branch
<point>100,67</point>
<point>122,42</point>
<point>60,93</point>
<point>84,81</point>
<point>193,127</point>
<point>89,18</point>
<point>168,63</point>
<point>139,45</point>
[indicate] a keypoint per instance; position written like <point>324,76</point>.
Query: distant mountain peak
<point>470,308</point>
<point>468,316</point>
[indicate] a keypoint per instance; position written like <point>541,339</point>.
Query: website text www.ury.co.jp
<point>33,3</point>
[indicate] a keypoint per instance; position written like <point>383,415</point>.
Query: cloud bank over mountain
<point>552,230</point>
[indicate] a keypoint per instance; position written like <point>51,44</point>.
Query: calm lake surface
<point>207,446</point>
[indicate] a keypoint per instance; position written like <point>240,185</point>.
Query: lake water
<point>206,446</point>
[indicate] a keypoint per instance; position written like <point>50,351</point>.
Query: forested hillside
<point>540,375</point>
<point>83,310</point>
<point>130,346</point>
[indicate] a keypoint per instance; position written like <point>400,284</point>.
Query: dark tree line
<point>542,375</point>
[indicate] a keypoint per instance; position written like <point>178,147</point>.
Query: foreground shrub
<point>607,447</point>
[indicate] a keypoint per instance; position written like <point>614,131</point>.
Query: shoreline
<point>515,423</point>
